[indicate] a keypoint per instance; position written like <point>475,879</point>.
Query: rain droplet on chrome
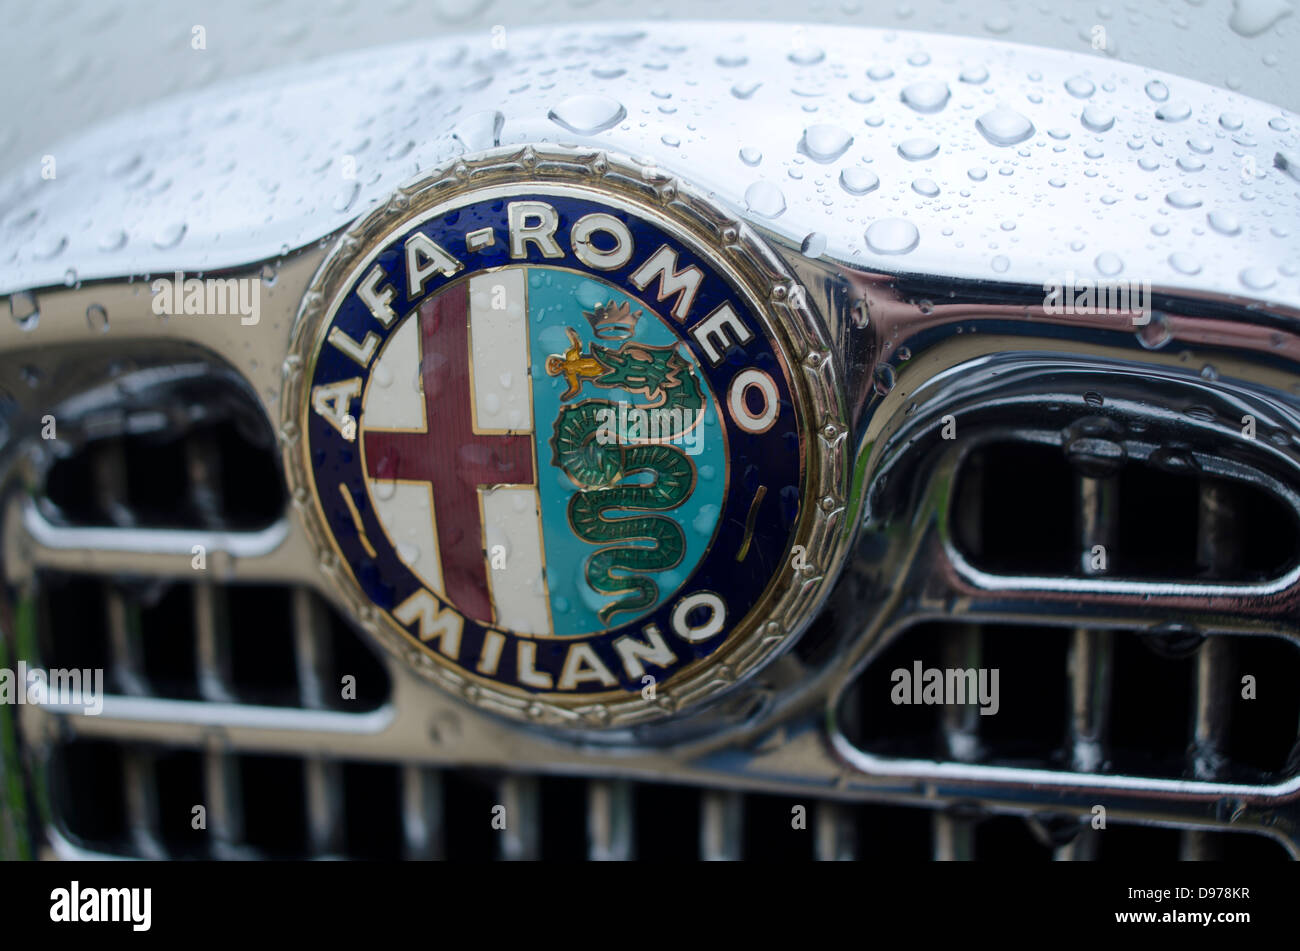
<point>751,156</point>
<point>113,240</point>
<point>892,236</point>
<point>926,96</point>
<point>346,196</point>
<point>858,181</point>
<point>925,187</point>
<point>1257,278</point>
<point>879,73</point>
<point>1224,222</point>
<point>1157,90</point>
<point>807,55</point>
<point>50,247</point>
<point>588,114</point>
<point>1001,263</point>
<point>1080,87</point>
<point>97,318</point>
<point>976,174</point>
<point>171,235</point>
<point>1288,162</point>
<point>1183,200</point>
<point>862,96</point>
<point>1109,263</point>
<point>974,75</point>
<point>1174,112</point>
<point>730,60</point>
<point>764,198</point>
<point>1190,163</point>
<point>1003,127</point>
<point>1095,119</point>
<point>824,142</point>
<point>1184,263</point>
<point>745,90</point>
<point>1155,333</point>
<point>23,310</point>
<point>1230,121</point>
<point>1253,17</point>
<point>814,244</point>
<point>884,378</point>
<point>918,149</point>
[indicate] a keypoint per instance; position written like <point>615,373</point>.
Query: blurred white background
<point>65,64</point>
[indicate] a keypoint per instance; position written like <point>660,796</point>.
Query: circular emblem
<point>566,437</point>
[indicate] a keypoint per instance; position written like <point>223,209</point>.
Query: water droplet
<point>925,187</point>
<point>1004,127</point>
<point>1155,333</point>
<point>997,25</point>
<point>750,155</point>
<point>883,378</point>
<point>730,60</point>
<point>1080,87</point>
<point>976,174</point>
<point>23,309</point>
<point>346,196</point>
<point>918,59</point>
<point>858,181</point>
<point>1095,119</point>
<point>50,247</point>
<point>974,74</point>
<point>1230,121</point>
<point>97,318</point>
<point>918,149</point>
<point>1094,399</point>
<point>1184,263</point>
<point>1288,162</point>
<point>926,96</point>
<point>170,236</point>
<point>608,72</point>
<point>1279,125</point>
<point>824,142</point>
<point>1257,278</point>
<point>113,241</point>
<point>1109,263</point>
<point>745,90</point>
<point>1174,112</point>
<point>1157,90</point>
<point>764,198</point>
<point>1253,17</point>
<point>670,140</point>
<point>807,55</point>
<point>588,114</point>
<point>1224,222</point>
<point>1183,200</point>
<point>892,236</point>
<point>1000,263</point>
<point>879,73</point>
<point>861,96</point>
<point>814,244</point>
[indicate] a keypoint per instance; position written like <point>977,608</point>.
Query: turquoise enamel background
<point>556,301</point>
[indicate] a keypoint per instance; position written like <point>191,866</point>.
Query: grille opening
<point>262,665</point>
<point>563,809</point>
<point>90,779</point>
<point>769,831</point>
<point>159,487</point>
<point>668,822</point>
<point>180,780</point>
<point>373,811</point>
<point>272,800</point>
<point>255,622</point>
<point>1150,712</point>
<point>1156,524</point>
<point>468,798</point>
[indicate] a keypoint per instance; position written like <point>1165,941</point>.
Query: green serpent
<point>609,466</point>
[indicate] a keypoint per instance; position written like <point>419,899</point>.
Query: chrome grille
<point>199,668</point>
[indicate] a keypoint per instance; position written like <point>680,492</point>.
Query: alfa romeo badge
<point>567,436</point>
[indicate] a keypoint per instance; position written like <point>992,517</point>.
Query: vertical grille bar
<point>142,802</point>
<point>323,778</point>
<point>609,821</point>
<point>521,840</point>
<point>1218,550</point>
<point>836,839</point>
<point>722,815</point>
<point>953,836</point>
<point>222,790</point>
<point>422,823</point>
<point>1090,663</point>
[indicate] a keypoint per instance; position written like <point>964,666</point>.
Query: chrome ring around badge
<point>573,441</point>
